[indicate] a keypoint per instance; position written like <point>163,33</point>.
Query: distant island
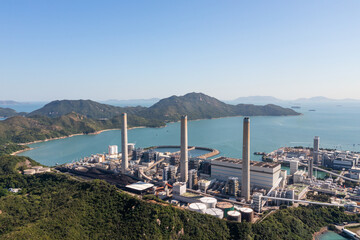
<point>67,117</point>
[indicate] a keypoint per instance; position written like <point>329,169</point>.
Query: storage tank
<point>216,212</point>
<point>225,206</point>
<point>234,216</point>
<point>247,214</point>
<point>197,207</point>
<point>209,202</point>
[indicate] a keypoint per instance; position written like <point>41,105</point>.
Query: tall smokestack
<point>184,150</point>
<point>245,184</point>
<point>316,149</point>
<point>310,172</point>
<point>124,145</point>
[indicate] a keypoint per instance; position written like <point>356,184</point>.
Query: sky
<point>140,49</point>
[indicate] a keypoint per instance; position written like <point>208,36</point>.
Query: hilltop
<point>195,105</point>
<point>67,117</point>
<point>201,106</point>
<point>87,108</point>
<point>8,112</point>
<point>27,129</point>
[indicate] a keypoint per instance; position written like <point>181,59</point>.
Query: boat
<point>297,107</point>
<point>312,110</point>
<point>259,153</point>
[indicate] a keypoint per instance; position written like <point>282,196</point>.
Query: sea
<point>337,125</point>
<point>330,235</point>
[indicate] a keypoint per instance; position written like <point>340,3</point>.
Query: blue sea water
<point>337,126</point>
<point>331,236</point>
<point>24,107</point>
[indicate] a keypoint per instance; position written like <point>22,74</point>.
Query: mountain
<point>67,117</point>
<point>87,108</point>
<point>201,106</point>
<point>7,112</point>
<point>195,105</point>
<point>27,129</point>
<point>132,102</point>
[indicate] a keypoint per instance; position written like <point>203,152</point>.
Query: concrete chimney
<point>310,172</point>
<point>184,150</point>
<point>245,184</point>
<point>124,145</point>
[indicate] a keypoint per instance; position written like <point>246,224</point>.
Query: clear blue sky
<point>141,49</point>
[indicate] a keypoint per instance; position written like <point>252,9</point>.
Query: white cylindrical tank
<point>209,202</point>
<point>216,212</point>
<point>197,207</point>
<point>247,214</point>
<point>234,216</point>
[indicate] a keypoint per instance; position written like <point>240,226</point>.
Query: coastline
<point>20,151</point>
<point>69,136</point>
<point>316,235</point>
<point>98,132</point>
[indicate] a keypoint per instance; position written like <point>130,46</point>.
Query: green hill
<point>55,206</point>
<point>87,108</point>
<point>195,105</point>
<point>201,106</point>
<point>27,129</point>
<point>67,117</point>
<point>7,112</point>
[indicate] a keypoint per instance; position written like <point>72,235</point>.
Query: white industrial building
<point>262,174</point>
<point>113,150</point>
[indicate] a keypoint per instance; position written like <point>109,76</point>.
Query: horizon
<point>158,98</point>
<point>111,50</point>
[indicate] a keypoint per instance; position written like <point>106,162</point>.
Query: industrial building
<point>262,174</point>
<point>124,145</point>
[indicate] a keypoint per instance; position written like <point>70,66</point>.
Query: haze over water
<point>338,127</point>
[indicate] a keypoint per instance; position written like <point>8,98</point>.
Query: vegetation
<point>13,164</point>
<point>67,117</point>
<point>7,112</point>
<point>88,108</point>
<point>350,184</point>
<point>318,197</point>
<point>27,129</point>
<point>201,106</point>
<point>11,148</point>
<point>54,206</point>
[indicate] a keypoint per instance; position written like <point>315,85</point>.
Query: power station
<point>184,150</point>
<point>124,145</point>
<point>245,184</point>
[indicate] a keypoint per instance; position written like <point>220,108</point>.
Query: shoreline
<point>20,151</point>
<point>316,235</point>
<point>63,137</point>
<point>105,130</point>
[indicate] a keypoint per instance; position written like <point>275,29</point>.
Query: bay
<point>331,236</point>
<point>337,126</point>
